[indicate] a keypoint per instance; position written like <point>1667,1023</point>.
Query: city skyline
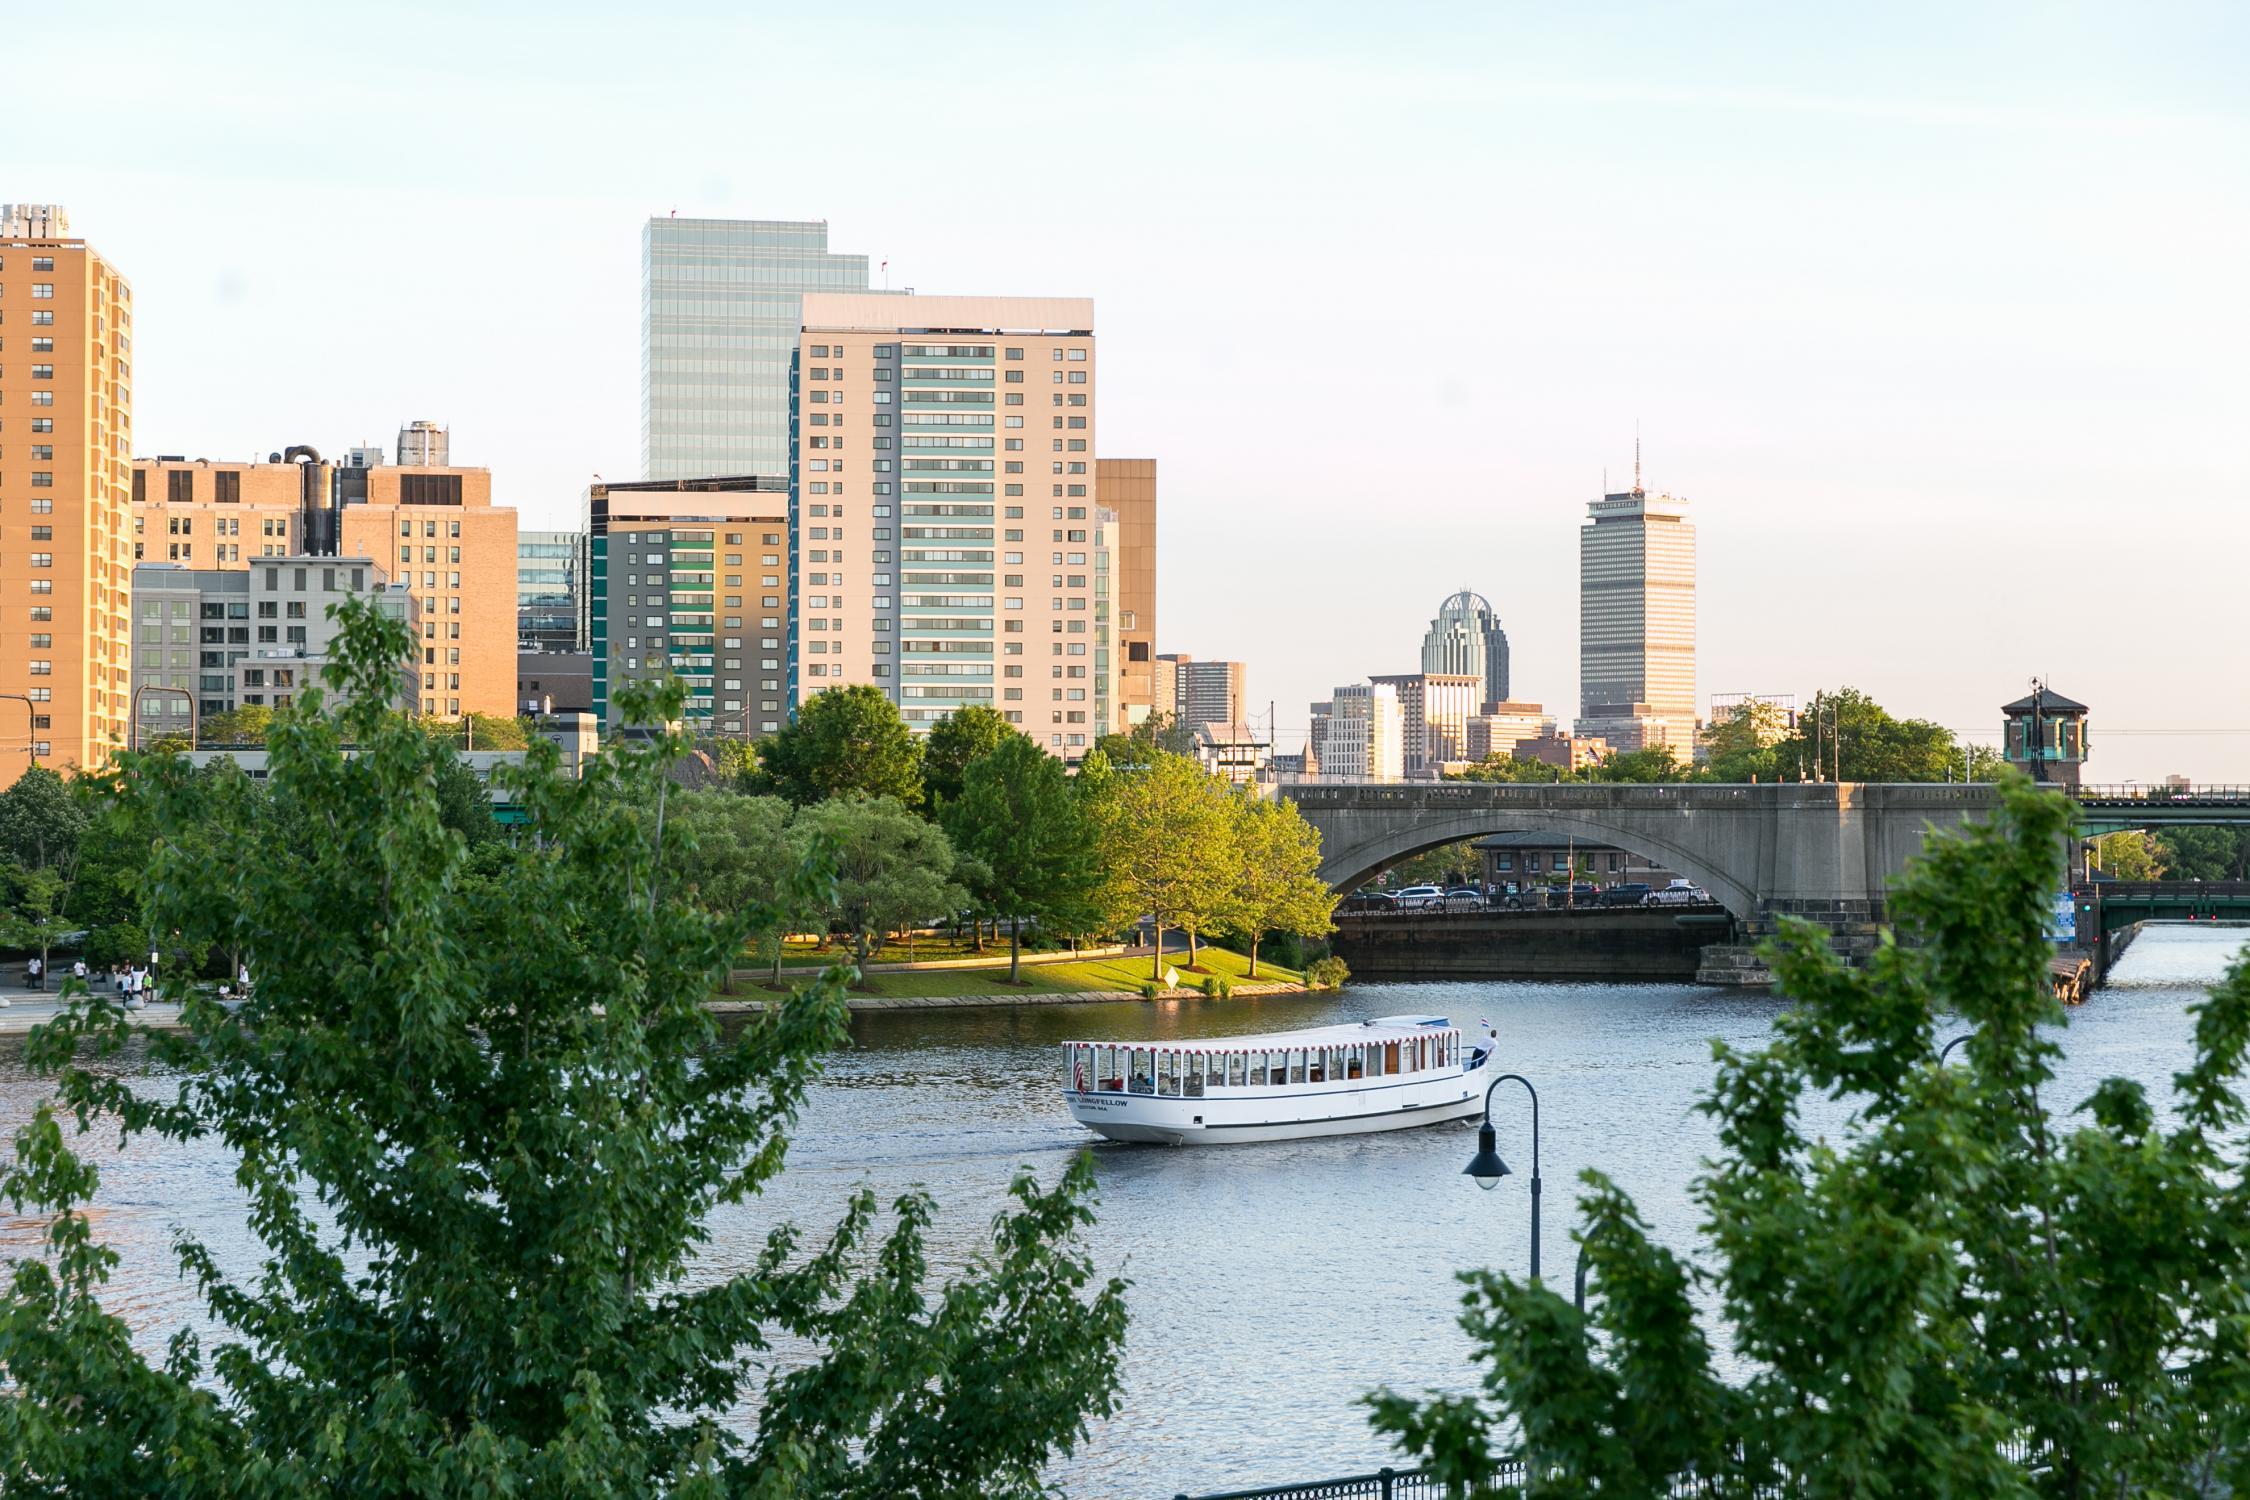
<point>1930,348</point>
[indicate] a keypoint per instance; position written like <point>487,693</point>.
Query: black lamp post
<point>1946,1051</point>
<point>1487,1167</point>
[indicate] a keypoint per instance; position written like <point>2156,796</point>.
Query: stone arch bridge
<point>1824,851</point>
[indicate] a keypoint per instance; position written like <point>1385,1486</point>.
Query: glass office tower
<point>720,310</point>
<point>551,590</point>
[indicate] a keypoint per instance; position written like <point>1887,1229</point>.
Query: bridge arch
<point>1353,864</point>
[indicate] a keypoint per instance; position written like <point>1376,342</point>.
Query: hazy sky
<point>1935,311</point>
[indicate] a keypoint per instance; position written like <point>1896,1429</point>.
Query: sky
<point>1934,312</point>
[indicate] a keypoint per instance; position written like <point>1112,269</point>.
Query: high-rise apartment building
<point>434,531</point>
<point>246,637</point>
<point>945,523</point>
<point>66,432</point>
<point>1205,692</point>
<point>1636,622</point>
<point>720,310</point>
<point>1127,486</point>
<point>1465,640</point>
<point>551,591</point>
<point>691,577</point>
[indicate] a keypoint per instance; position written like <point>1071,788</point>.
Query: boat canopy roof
<point>1380,1029</point>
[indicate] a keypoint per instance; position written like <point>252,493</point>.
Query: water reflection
<point>1273,1285</point>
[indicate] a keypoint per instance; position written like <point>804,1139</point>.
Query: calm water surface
<point>1273,1285</point>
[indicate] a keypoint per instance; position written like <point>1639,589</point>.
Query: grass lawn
<point>1058,978</point>
<point>800,952</point>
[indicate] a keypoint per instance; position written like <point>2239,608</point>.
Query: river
<point>1272,1285</point>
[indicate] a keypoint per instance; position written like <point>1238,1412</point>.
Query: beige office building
<point>1363,736</point>
<point>1127,488</point>
<point>1436,707</point>
<point>66,433</point>
<point>434,531</point>
<point>1636,622</point>
<point>945,526</point>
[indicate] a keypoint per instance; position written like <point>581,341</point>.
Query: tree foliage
<point>482,1117</point>
<point>40,821</point>
<point>1277,885</point>
<point>892,868</point>
<point>1166,829</point>
<point>247,725</point>
<point>2206,853</point>
<point>478,731</point>
<point>2131,855</point>
<point>843,740</point>
<point>956,740</point>
<point>1959,1272</point>
<point>1019,819</point>
<point>744,854</point>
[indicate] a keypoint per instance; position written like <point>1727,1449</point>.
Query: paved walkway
<point>24,1009</point>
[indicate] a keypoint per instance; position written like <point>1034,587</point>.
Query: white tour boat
<point>1386,1074</point>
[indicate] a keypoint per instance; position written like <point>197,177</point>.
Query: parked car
<point>1626,893</point>
<point>1416,897</point>
<point>1680,893</point>
<point>1367,903</point>
<point>1583,893</point>
<point>1464,898</point>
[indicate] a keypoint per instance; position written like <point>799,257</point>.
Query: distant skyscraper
<point>1365,734</point>
<point>66,583</point>
<point>1465,640</point>
<point>1206,692</point>
<point>721,303</point>
<point>1636,621</point>
<point>423,445</point>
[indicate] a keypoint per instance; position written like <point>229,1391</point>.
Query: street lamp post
<point>1487,1167</point>
<point>1946,1051</point>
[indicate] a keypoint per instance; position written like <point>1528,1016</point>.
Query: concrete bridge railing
<point>1824,851</point>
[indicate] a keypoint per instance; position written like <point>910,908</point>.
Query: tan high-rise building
<point>434,531</point>
<point>1636,622</point>
<point>66,433</point>
<point>1127,486</point>
<point>1203,692</point>
<point>946,526</point>
<point>1436,707</point>
<point>690,577</point>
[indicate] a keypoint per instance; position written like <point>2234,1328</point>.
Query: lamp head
<point>1486,1167</point>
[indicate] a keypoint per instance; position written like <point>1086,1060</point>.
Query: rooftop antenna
<point>1636,455</point>
<point>886,275</point>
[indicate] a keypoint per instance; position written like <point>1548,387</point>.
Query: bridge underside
<point>1827,852</point>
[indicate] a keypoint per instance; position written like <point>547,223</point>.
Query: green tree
<point>954,741</point>
<point>37,920</point>
<point>464,800</point>
<point>1847,736</point>
<point>482,1126</point>
<point>2206,853</point>
<point>734,761</point>
<point>741,854</point>
<point>1277,886</point>
<point>1656,763</point>
<point>1020,822</point>
<point>247,725</point>
<point>478,731</point>
<point>2131,855</point>
<point>1953,1272</point>
<point>1745,744</point>
<point>1159,731</point>
<point>846,739</point>
<point>1165,828</point>
<point>1509,768</point>
<point>41,821</point>
<point>893,869</point>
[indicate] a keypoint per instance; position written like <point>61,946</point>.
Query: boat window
<point>1296,1065</point>
<point>1277,1068</point>
<point>1193,1084</point>
<point>1075,1059</point>
<point>1143,1080</point>
<point>1109,1062</point>
<point>1235,1067</point>
<point>1168,1073</point>
<point>1355,1063</point>
<point>1315,1069</point>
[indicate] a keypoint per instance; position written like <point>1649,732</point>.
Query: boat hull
<point>1221,1120</point>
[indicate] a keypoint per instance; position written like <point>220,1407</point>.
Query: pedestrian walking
<point>36,974</point>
